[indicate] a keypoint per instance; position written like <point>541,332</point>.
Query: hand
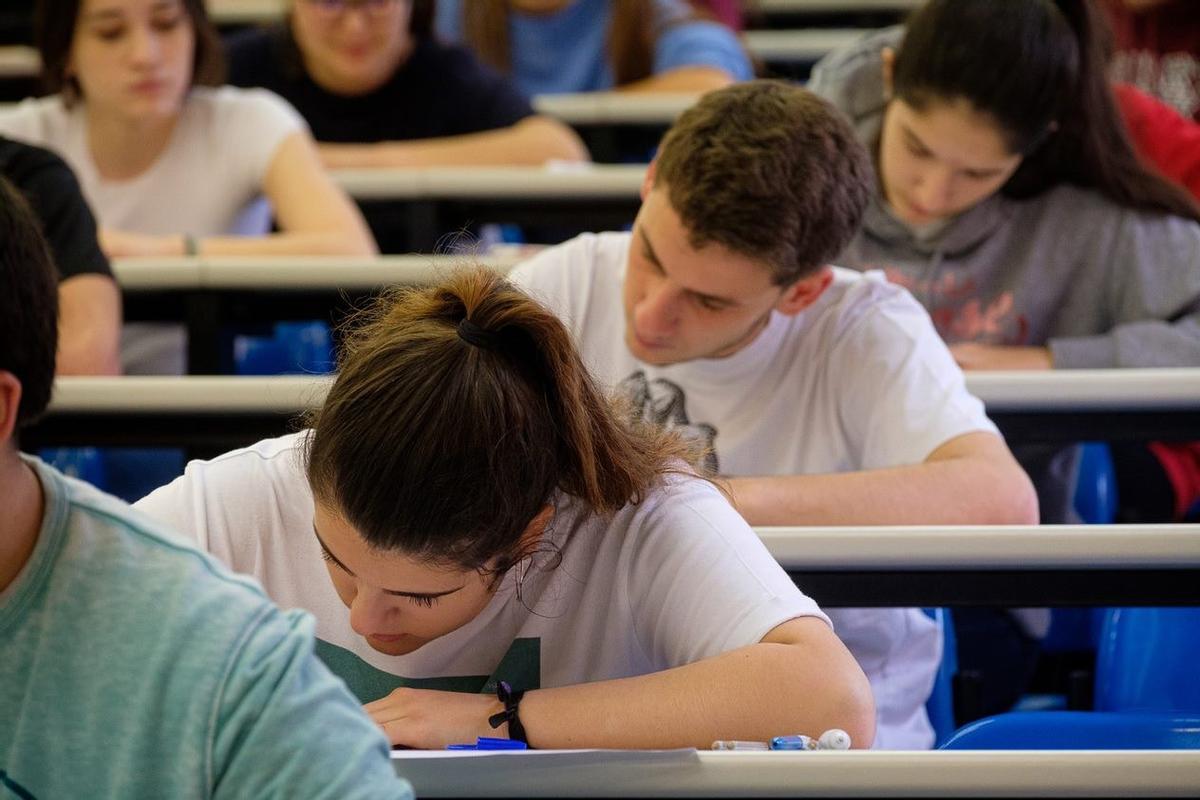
<point>123,244</point>
<point>974,356</point>
<point>429,720</point>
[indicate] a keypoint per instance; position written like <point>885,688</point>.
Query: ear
<point>804,292</point>
<point>888,57</point>
<point>10,404</point>
<point>648,180</point>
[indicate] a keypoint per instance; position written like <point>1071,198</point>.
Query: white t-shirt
<point>606,611</point>
<point>859,380</point>
<point>207,182</point>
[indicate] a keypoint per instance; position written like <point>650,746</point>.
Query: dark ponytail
<point>458,411</point>
<point>1040,69</point>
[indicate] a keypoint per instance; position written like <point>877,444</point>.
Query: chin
<point>400,647</point>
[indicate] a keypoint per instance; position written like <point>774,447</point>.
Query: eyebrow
<point>396,592</point>
<point>908,132</point>
<point>653,258</point>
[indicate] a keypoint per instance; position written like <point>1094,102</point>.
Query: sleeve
<point>285,727</point>
<point>701,43</point>
<point>67,221</point>
<point>477,98</point>
<point>1167,139</point>
<point>900,393</point>
<point>24,122</point>
<point>701,582</point>
<point>255,122</point>
<point>1152,298</point>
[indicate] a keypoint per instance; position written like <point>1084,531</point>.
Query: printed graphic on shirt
<point>521,667</point>
<point>960,315</point>
<point>1173,78</point>
<point>665,403</point>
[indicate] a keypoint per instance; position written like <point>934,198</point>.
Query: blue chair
<point>293,348</point>
<point>1078,730</point>
<point>940,705</point>
<point>1149,660</point>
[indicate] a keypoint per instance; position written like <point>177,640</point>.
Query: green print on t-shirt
<point>521,667</point>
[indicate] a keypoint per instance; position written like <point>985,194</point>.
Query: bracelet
<point>510,699</point>
<point>190,246</point>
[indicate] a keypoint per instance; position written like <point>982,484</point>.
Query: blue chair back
<point>1078,730</point>
<point>940,705</point>
<point>293,348</point>
<point>1149,660</point>
<point>1095,497</point>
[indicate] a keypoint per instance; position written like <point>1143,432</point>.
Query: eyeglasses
<point>373,8</point>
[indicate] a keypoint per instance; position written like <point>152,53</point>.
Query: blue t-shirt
<point>568,51</point>
<point>134,666</point>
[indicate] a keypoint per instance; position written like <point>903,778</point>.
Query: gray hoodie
<point>1100,284</point>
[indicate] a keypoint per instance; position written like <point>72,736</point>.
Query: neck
<point>22,517</point>
<point>124,147</point>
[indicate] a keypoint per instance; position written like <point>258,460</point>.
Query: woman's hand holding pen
<point>429,720</point>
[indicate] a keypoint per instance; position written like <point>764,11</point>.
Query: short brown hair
<point>770,171</point>
<point>54,24</point>
<point>443,439</point>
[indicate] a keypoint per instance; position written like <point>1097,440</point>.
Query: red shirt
<point>1168,141</point>
<point>1158,50</point>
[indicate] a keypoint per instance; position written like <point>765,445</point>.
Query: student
<point>1016,209</point>
<point>1012,205</point>
<point>170,165</point>
<point>379,90</point>
<point>597,45</point>
<point>484,515</point>
<point>89,303</point>
<point>134,666</point>
<point>825,396</point>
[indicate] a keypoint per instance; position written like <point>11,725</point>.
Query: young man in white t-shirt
<point>826,396</point>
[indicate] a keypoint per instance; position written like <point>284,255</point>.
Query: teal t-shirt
<point>132,665</point>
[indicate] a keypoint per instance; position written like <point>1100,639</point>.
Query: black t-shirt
<point>439,91</point>
<point>52,191</point>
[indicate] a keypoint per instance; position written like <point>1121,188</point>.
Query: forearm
<point>682,79</point>
<point>953,492</point>
<point>753,693</point>
<point>531,141</point>
<point>89,326</point>
<point>88,351</point>
<point>311,243</point>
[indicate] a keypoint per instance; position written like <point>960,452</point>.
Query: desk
<point>204,293</point>
<point>441,200</point>
<point>785,47</point>
<point>851,774</point>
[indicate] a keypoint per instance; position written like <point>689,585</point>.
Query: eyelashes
<point>421,601</point>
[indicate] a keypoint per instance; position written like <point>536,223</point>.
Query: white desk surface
<point>294,272</point>
<point>569,181</point>
<point>614,108</point>
<point>807,44</point>
<point>850,774</point>
<point>1065,390</point>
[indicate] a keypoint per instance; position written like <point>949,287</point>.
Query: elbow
<point>855,713</point>
<point>556,140</point>
<point>1018,501</point>
<point>97,356</point>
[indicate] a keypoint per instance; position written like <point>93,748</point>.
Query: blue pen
<point>797,742</point>
<point>490,743</point>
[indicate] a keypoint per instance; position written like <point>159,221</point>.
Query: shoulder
<point>30,167</point>
<point>866,298</point>
<point>1091,215</point>
<point>568,271</point>
<point>852,78</point>
<point>233,110</point>
<point>43,120</point>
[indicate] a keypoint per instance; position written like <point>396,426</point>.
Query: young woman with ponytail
<point>467,512</point>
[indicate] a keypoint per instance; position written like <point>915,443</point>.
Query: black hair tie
<point>510,699</point>
<point>478,336</point>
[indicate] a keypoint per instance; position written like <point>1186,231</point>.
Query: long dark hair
<point>54,25</point>
<point>1039,67</point>
<point>458,411</point>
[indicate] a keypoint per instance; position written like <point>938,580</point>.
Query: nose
<point>369,612</point>
<point>657,315</point>
<point>934,189</point>
<point>144,45</point>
